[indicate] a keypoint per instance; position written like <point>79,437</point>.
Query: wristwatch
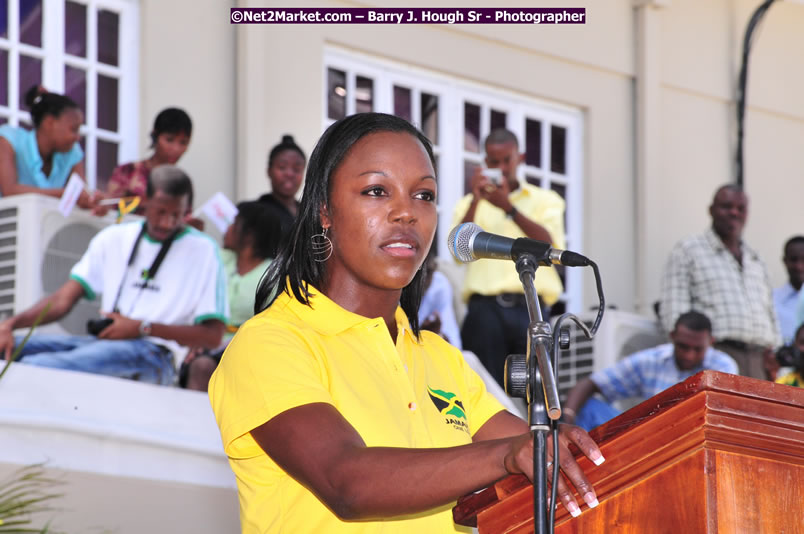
<point>145,328</point>
<point>511,213</point>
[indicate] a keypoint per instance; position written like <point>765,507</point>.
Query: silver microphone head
<point>460,241</point>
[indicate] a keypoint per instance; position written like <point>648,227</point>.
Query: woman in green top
<point>250,244</point>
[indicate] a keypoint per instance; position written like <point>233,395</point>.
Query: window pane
<point>558,149</point>
<point>471,127</point>
<point>561,189</point>
<point>107,103</point>
<point>106,162</point>
<point>430,117</point>
<point>30,75</point>
<point>534,180</point>
<point>533,142</point>
<point>364,94</point>
<point>75,29</point>
<point>498,119</point>
<point>3,120</point>
<point>4,19</point>
<point>31,22</point>
<point>5,77</point>
<point>402,103</point>
<point>75,86</point>
<point>108,33</point>
<point>468,171</point>
<point>336,94</point>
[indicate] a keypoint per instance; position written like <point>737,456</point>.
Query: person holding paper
<point>43,159</point>
<point>162,287</point>
<point>170,138</point>
<point>219,210</point>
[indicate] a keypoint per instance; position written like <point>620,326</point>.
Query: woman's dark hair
<point>287,144</point>
<point>172,121</point>
<point>295,260</point>
<point>41,103</point>
<point>259,221</point>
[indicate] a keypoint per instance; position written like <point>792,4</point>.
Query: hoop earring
<point>321,246</point>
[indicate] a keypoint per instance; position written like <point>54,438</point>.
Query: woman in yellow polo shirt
<point>337,413</point>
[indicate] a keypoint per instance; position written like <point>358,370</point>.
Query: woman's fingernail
<point>597,458</point>
<point>590,499</point>
<point>573,509</point>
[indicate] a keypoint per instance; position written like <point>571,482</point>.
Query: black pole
<point>542,393</point>
<point>742,84</point>
<point>540,516</point>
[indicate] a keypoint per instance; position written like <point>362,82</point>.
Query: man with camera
<point>497,315</point>
<point>161,285</point>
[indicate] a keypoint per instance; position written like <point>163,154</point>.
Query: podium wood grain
<point>716,454</point>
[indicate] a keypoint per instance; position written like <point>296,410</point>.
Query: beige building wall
<point>247,85</point>
<point>568,65</point>
<point>701,44</point>
<point>187,60</point>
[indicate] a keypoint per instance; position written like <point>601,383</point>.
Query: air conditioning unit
<point>38,247</point>
<point>621,333</point>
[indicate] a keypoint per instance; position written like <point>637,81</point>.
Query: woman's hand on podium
<point>519,458</point>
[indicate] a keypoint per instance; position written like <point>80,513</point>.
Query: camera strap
<point>148,274</point>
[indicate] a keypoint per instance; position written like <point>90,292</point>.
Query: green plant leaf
<point>18,350</point>
<point>28,492</point>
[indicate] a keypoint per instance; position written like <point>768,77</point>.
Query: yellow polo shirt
<point>406,394</point>
<point>492,277</point>
<point>791,379</point>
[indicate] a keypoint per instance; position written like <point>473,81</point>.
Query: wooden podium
<point>715,454</point>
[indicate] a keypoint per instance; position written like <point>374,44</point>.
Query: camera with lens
<point>789,356</point>
<point>494,175</point>
<point>96,326</point>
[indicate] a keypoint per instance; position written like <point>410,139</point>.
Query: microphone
<point>468,242</point>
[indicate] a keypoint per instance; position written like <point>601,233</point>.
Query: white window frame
<point>55,59</point>
<point>452,92</point>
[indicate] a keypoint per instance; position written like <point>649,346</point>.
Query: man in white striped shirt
<point>718,274</point>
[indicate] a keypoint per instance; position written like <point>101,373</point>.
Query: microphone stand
<point>527,374</point>
<point>542,393</point>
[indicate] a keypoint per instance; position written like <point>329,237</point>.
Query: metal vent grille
<point>62,252</point>
<point>8,260</point>
<point>577,362</point>
<point>620,334</point>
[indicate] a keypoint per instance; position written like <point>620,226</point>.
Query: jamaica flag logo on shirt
<point>450,407</point>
